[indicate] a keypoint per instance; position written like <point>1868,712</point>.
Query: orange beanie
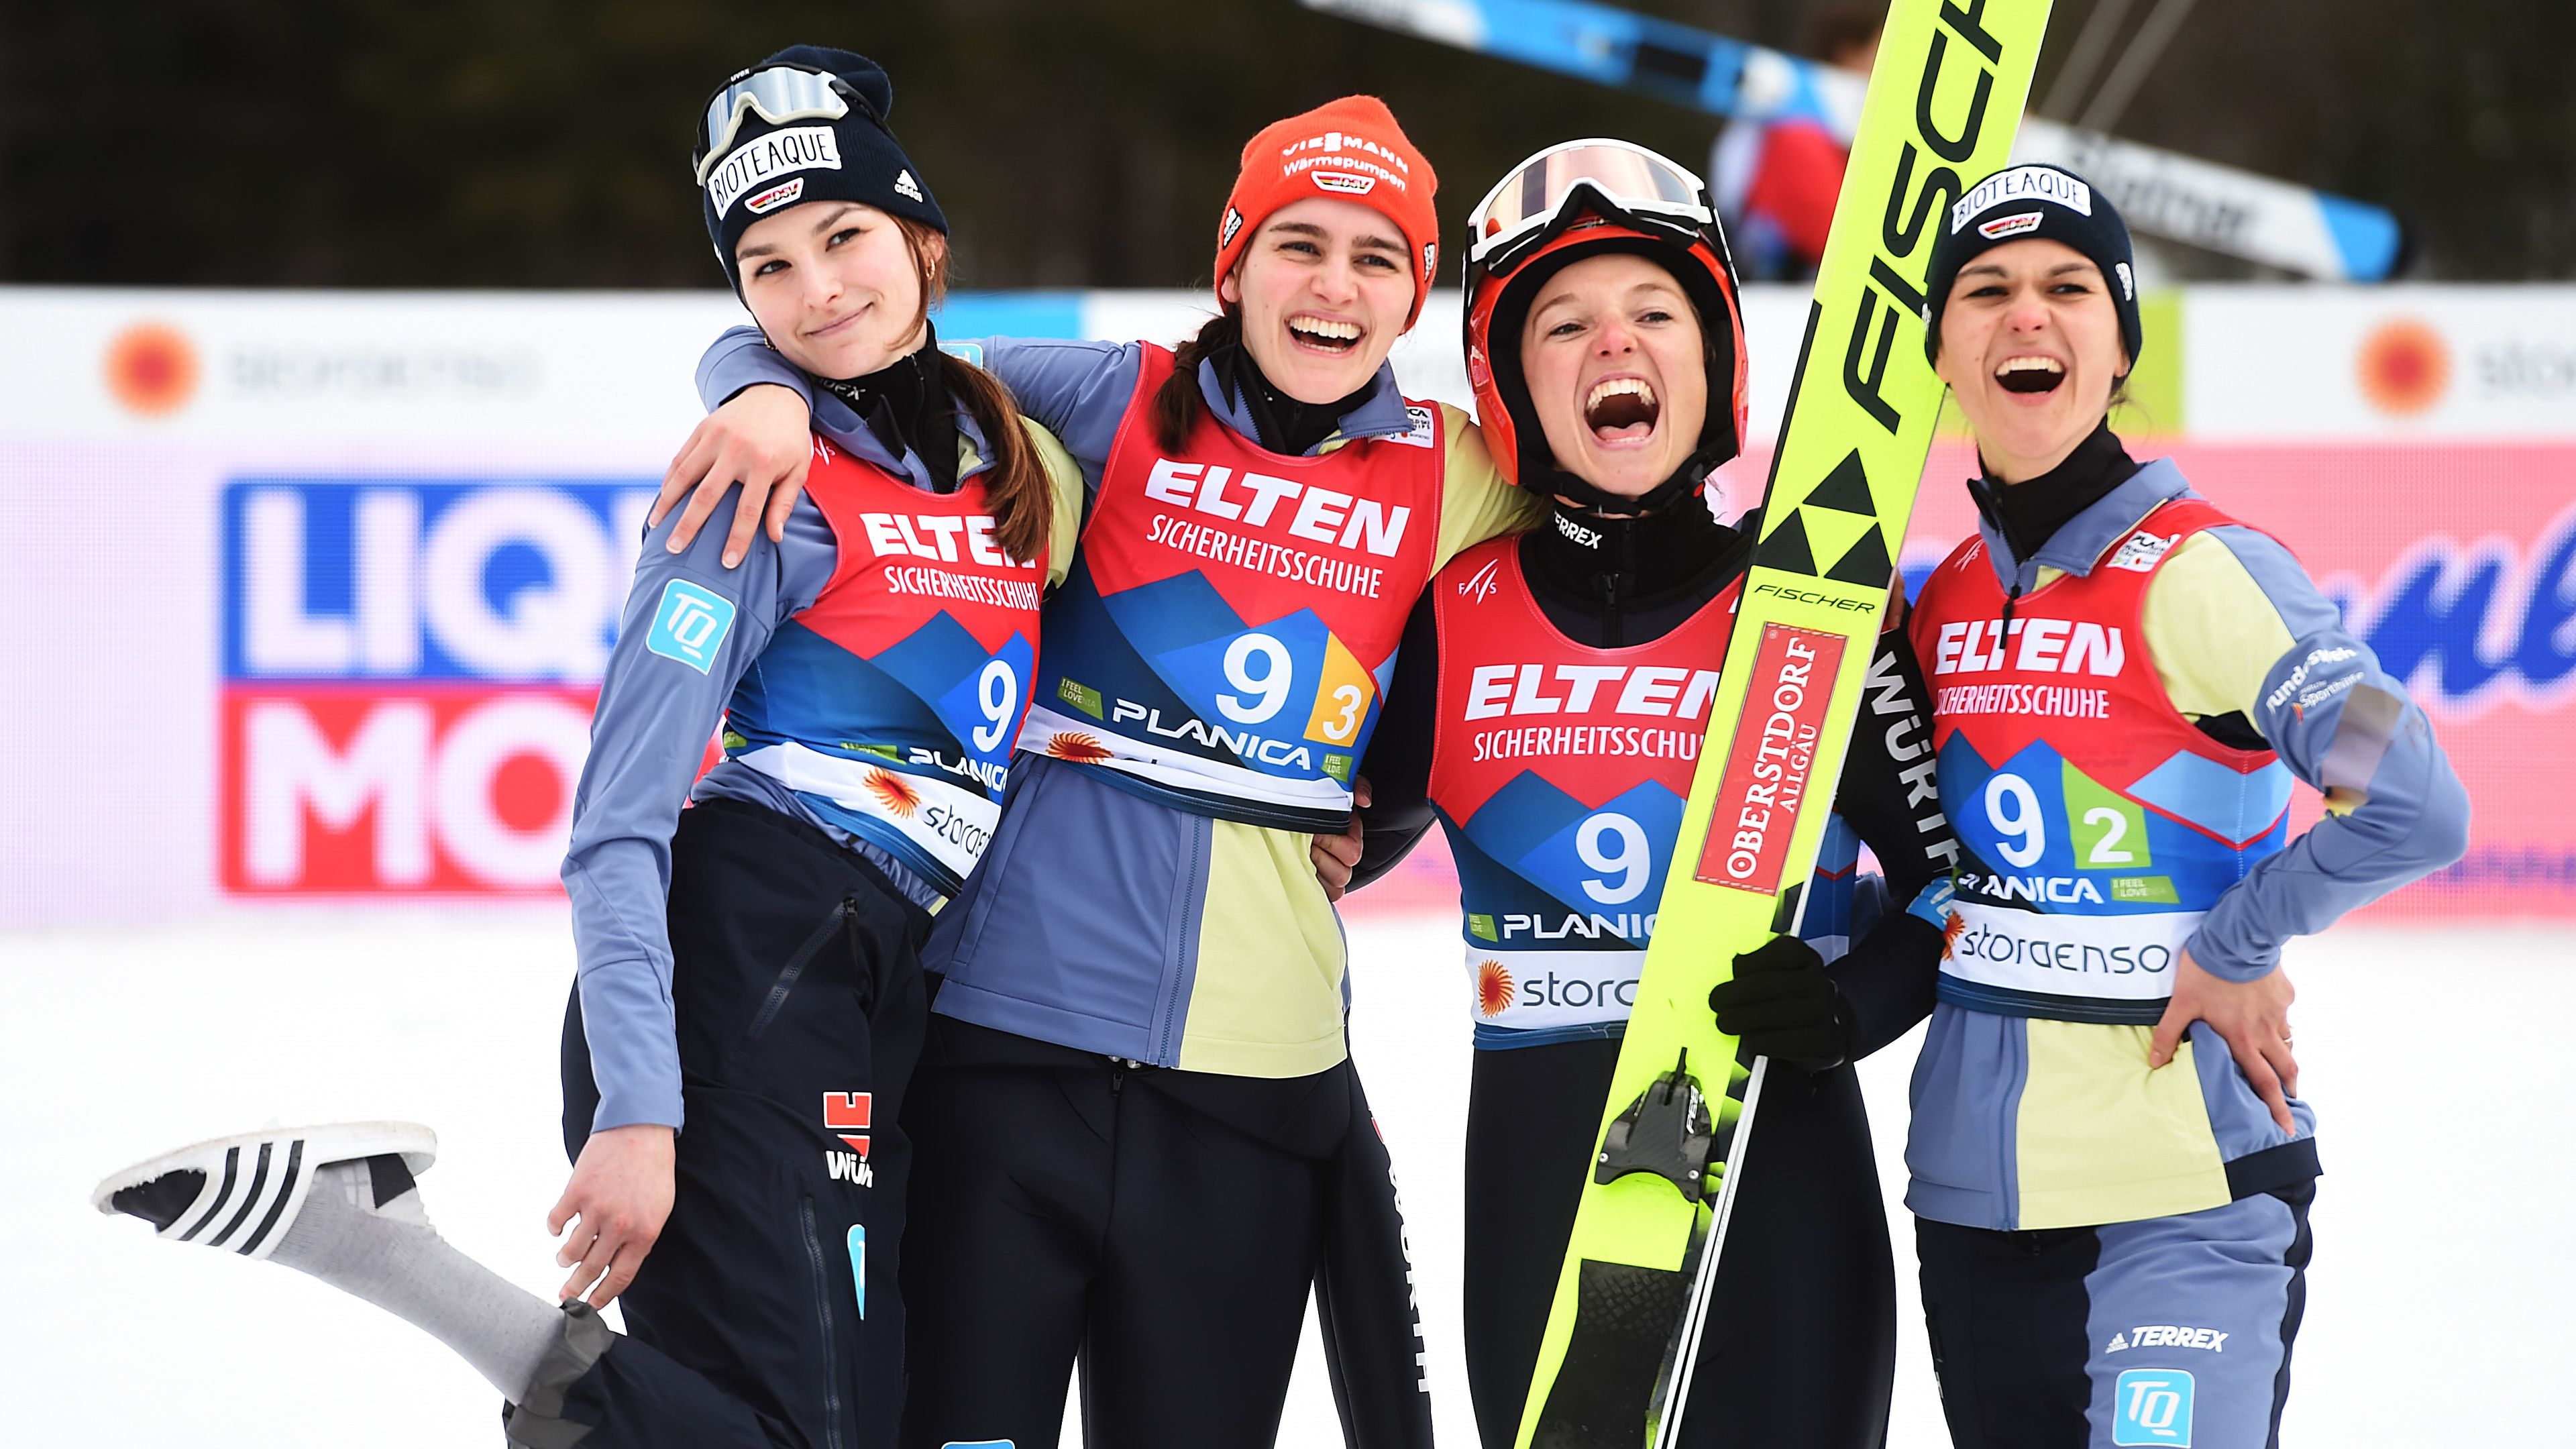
<point>1349,150</point>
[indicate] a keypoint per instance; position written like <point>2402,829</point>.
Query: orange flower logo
<point>2404,367</point>
<point>894,792</point>
<point>1951,930</point>
<point>1493,989</point>
<point>151,369</point>
<point>1075,745</point>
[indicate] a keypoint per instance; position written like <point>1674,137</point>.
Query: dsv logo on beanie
<point>799,148</point>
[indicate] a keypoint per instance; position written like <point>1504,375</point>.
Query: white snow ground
<point>2439,1300</point>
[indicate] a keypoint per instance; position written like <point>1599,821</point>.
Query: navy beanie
<point>764,167</point>
<point>2020,202</point>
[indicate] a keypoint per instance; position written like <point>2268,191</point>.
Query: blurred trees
<point>1072,142</point>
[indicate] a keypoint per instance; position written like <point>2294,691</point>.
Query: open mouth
<point>1322,332</point>
<point>1621,409</point>
<point>2030,374</point>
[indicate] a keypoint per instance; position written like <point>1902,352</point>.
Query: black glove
<point>1782,1004</point>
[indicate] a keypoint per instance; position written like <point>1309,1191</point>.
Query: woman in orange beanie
<point>1138,1136</point>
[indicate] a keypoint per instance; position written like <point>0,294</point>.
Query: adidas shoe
<point>240,1193</point>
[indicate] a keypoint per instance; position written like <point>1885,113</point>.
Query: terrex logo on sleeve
<point>755,162</point>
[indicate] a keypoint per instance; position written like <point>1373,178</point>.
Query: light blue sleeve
<point>2339,722</point>
<point>741,358</point>
<point>1077,390</point>
<point>691,628</point>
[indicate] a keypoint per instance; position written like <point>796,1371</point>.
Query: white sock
<point>363,1231</point>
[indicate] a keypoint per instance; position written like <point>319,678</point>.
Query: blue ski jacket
<point>1108,922</point>
<point>655,715</point>
<point>2031,1122</point>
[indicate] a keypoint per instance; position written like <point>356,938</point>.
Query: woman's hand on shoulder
<point>763,438</point>
<point>612,1211</point>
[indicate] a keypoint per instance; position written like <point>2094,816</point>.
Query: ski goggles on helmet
<point>1617,180</point>
<point>779,93</point>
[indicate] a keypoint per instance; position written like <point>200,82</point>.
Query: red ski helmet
<point>1579,199</point>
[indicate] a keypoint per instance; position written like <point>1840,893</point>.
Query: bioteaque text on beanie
<point>2021,202</point>
<point>768,164</point>
<point>1345,150</point>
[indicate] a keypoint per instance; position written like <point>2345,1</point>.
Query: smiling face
<point>1617,368</point>
<point>2030,346</point>
<point>835,286</point>
<point>1324,286</point>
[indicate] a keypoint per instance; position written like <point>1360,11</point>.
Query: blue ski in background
<point>2221,208</point>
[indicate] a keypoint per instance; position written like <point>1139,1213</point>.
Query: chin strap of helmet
<point>1629,552</point>
<point>1687,481</point>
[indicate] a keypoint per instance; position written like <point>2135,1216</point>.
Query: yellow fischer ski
<point>1944,101</point>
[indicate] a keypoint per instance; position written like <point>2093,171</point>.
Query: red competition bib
<point>1225,637</point>
<point>2096,824</point>
<point>892,702</point>
<point>1560,771</point>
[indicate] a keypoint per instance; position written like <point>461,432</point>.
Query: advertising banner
<point>312,591</point>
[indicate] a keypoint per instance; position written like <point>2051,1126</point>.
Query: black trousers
<point>1800,1347</point>
<point>2174,1330</point>
<point>1159,1228</point>
<point>768,1313</point>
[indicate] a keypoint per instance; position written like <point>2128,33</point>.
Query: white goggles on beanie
<point>1618,180</point>
<point>780,93</point>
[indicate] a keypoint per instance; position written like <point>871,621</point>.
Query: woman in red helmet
<point>1548,705</point>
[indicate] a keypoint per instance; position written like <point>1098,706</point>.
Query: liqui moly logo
<point>1771,759</point>
<point>409,670</point>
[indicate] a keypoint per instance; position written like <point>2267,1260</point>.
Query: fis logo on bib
<point>1480,585</point>
<point>2152,1406</point>
<point>690,625</point>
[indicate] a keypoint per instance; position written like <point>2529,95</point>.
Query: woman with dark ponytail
<point>1139,1132</point>
<point>749,966</point>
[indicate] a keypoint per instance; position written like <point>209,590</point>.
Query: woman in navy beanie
<point>2111,1168</point>
<point>750,1000</point>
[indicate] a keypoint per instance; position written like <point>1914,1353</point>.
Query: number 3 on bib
<point>1342,698</point>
